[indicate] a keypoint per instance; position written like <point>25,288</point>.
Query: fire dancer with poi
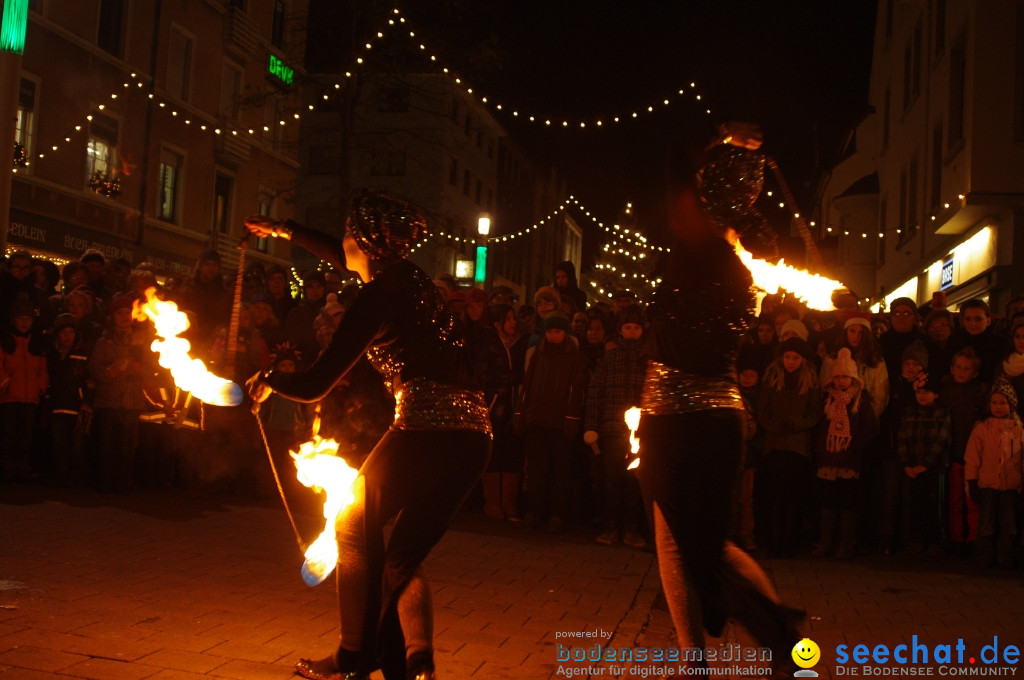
<point>425,465</point>
<point>692,424</point>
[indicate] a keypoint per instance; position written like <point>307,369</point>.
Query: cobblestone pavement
<point>180,586</point>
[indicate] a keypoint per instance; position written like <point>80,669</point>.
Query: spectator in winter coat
<point>995,473</point>
<point>23,380</point>
<point>551,411</point>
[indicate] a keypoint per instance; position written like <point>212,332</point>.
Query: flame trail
<point>632,416</point>
<point>813,289</point>
<point>189,374</point>
<point>319,467</point>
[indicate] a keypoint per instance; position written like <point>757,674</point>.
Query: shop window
<point>101,147</point>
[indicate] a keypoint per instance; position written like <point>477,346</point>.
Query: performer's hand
<point>259,390</point>
<point>260,225</point>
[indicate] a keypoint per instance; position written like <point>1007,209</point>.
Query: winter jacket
<point>992,460</point>
<point>788,418</point>
<point>23,376</point>
<point>924,436</point>
<point>875,379</point>
<point>553,386</point>
<point>69,376</point>
<point>967,403</point>
<point>863,429</point>
<point>615,387</point>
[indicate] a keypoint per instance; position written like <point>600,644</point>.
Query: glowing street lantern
<point>189,374</point>
<point>319,467</point>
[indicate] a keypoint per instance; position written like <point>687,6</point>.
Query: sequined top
<point>697,319</point>
<point>402,324</point>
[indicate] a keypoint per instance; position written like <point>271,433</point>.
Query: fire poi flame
<point>191,375</point>
<point>319,467</point>
<point>813,289</point>
<point>633,423</point>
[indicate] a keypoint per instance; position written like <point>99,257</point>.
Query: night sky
<point>798,67</point>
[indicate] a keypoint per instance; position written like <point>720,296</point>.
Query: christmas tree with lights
<point>625,262</point>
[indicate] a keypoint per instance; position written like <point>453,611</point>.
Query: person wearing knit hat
<point>428,462</point>
<point>793,329</point>
<point>923,438</point>
<point>546,299</point>
<point>851,426</point>
<point>866,353</point>
<point>23,380</point>
<point>557,320</point>
<point>788,409</point>
<point>994,471</point>
<point>798,345</point>
<point>917,353</point>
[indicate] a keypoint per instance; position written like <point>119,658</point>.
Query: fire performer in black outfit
<point>425,465</point>
<point>692,424</point>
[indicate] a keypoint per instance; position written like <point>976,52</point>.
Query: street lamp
<point>483,228</point>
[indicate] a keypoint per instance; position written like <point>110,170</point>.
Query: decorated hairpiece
<point>385,227</point>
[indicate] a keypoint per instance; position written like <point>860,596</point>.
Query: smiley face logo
<point>806,653</point>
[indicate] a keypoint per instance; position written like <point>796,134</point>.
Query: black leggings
<point>689,468</point>
<point>420,479</point>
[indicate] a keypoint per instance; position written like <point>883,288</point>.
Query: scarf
<point>1013,365</point>
<point>839,436</point>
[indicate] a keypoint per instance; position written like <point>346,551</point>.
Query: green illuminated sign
<point>277,68</point>
<point>13,24</point>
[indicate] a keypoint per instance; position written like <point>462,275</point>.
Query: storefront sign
<point>947,275</point>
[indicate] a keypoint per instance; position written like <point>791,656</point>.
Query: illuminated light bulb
<point>483,99</point>
<point>933,218</point>
<point>947,205</point>
<point>359,60</point>
<point>266,128</point>
<point>216,131</point>
<point>113,96</point>
<point>565,123</point>
<point>162,105</point>
<point>295,115</point>
<point>880,235</point>
<point>616,119</point>
<point>202,127</point>
<point>103,106</point>
<point>598,123</point>
<point>634,114</point>
<point>54,147</point>
<point>174,113</point>
<point>961,197</point>
<point>782,205</point>
<point>582,124</point>
<point>78,127</point>
<point>67,139</point>
<point>698,97</point>
<point>368,46</point>
<point>796,215</point>
<point>829,230</point>
<point>547,122</point>
<point>650,109</point>
<point>348,74</point>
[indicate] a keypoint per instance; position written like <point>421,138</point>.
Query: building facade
<point>927,199</point>
<point>151,128</point>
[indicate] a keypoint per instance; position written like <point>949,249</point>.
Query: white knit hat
<point>845,365</point>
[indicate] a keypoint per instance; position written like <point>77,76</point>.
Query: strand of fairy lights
<point>547,121</point>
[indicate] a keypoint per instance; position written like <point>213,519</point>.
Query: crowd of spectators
<point>897,433</point>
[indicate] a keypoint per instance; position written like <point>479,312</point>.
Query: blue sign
<point>946,281</point>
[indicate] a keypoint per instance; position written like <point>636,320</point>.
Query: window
<point>479,191</point>
<point>223,187</point>
<point>908,200</point>
<point>170,185</point>
<point>179,64</point>
<point>468,124</point>
<point>24,125</point>
<point>101,149</point>
<point>490,199</point>
<point>272,122</point>
<point>230,90</point>
<point>940,26</point>
<point>277,25</point>
<point>957,77</point>
<point>453,172</point>
<point>466,179</point>
<point>111,27</point>
<point>912,68</point>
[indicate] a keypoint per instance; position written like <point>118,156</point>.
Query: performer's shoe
<point>325,669</point>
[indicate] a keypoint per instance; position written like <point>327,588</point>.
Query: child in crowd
<point>849,427</point>
<point>888,473</point>
<point>615,387</point>
<point>788,408</point>
<point>965,397</point>
<point>995,473</point>
<point>922,444</point>
<point>551,409</point>
<point>23,380</point>
<point>67,366</point>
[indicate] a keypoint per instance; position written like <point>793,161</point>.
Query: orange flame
<point>319,467</point>
<point>632,416</point>
<point>189,374</point>
<point>813,289</point>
